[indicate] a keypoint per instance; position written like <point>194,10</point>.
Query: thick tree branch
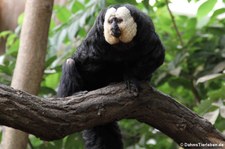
<point>55,118</point>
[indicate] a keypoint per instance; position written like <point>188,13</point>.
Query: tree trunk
<point>54,118</point>
<point>30,61</point>
<point>9,13</point>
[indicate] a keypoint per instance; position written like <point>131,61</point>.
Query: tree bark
<point>9,13</point>
<point>30,61</point>
<point>54,118</point>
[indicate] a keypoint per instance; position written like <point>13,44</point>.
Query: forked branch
<point>54,118</point>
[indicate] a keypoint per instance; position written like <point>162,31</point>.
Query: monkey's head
<point>119,25</point>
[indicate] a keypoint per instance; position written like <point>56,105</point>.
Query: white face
<point>127,25</point>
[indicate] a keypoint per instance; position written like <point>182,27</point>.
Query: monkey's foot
<point>132,86</point>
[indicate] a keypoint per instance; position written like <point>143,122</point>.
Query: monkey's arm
<point>71,80</point>
<point>152,57</point>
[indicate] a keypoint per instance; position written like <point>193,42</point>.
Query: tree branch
<point>194,90</point>
<point>175,25</point>
<point>54,118</point>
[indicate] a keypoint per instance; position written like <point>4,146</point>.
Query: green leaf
<point>126,1</point>
<point>146,4</point>
<point>36,142</point>
<point>50,61</point>
<point>82,32</point>
<point>5,33</point>
<point>11,39</point>
<point>20,19</point>
<point>63,14</point>
<point>73,140</point>
<point>205,8</point>
<point>210,77</point>
<point>77,6</point>
<point>51,80</point>
<point>217,94</point>
<point>46,90</point>
<point>204,106</point>
<point>222,111</point>
<point>218,12</point>
<point>5,70</point>
<point>0,136</point>
<point>160,4</point>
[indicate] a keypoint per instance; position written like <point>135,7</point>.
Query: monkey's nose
<point>116,31</point>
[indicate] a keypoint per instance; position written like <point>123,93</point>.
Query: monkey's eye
<point>119,20</point>
<point>110,21</point>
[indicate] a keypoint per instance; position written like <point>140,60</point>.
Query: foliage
<point>193,72</point>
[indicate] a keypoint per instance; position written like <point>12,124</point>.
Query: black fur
<point>97,63</point>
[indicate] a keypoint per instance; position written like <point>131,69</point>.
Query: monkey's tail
<point>105,136</point>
